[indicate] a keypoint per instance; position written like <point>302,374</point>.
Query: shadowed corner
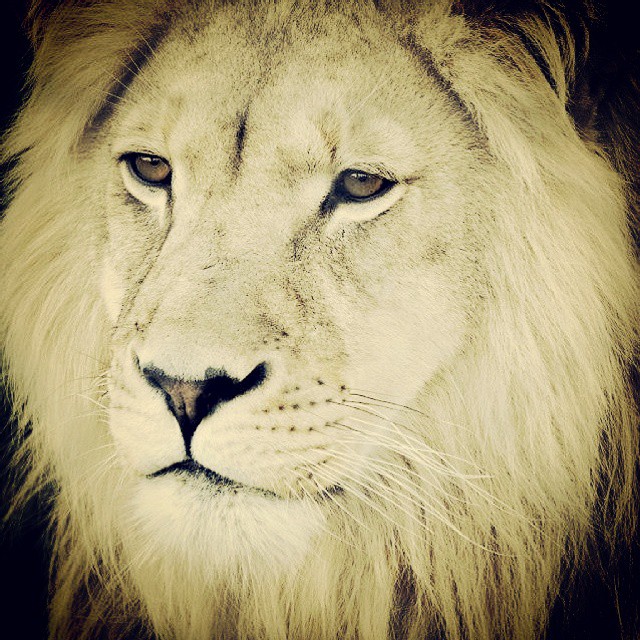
<point>16,50</point>
<point>23,545</point>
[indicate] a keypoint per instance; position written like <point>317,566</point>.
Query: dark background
<point>592,612</point>
<point>23,559</point>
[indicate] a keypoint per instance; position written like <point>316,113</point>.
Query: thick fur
<point>447,421</point>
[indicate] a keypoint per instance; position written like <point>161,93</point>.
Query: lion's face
<point>319,315</point>
<point>299,276</point>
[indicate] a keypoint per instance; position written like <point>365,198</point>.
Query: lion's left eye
<point>357,186</point>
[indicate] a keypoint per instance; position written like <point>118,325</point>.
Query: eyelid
<point>342,213</point>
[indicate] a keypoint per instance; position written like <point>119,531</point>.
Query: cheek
<point>405,310</point>
<point>410,326</point>
<point>133,241</point>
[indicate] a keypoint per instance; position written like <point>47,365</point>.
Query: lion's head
<point>321,316</point>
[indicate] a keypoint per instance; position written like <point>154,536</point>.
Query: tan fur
<point>446,416</point>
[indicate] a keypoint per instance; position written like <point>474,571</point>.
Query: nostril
<point>182,396</point>
<point>190,401</point>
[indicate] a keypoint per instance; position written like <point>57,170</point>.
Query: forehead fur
<point>104,46</point>
<point>231,71</point>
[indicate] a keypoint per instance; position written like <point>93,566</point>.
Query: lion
<point>318,319</point>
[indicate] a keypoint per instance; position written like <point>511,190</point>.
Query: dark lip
<point>193,468</point>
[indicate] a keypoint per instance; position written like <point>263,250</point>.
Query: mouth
<point>192,468</point>
<point>189,468</point>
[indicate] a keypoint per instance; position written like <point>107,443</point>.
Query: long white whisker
<point>324,476</point>
<point>426,507</point>
<point>364,482</point>
<point>413,446</point>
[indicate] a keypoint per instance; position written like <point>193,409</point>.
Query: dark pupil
<point>152,168</point>
<point>362,185</point>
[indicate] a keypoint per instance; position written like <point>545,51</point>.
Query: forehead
<point>331,67</point>
<point>242,45</point>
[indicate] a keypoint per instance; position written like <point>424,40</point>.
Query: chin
<point>217,527</point>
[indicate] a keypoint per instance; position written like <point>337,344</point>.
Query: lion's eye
<point>353,185</point>
<point>152,170</point>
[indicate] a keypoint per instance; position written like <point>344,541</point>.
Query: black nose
<point>191,401</point>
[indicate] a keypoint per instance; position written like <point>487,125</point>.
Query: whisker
<point>402,474</point>
<point>382,404</point>
<point>427,507</point>
<point>93,401</point>
<point>385,403</point>
<point>362,489</point>
<point>324,476</point>
<point>414,445</point>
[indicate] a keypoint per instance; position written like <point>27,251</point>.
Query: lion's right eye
<point>149,169</point>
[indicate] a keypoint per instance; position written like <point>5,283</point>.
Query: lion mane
<point>539,397</point>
